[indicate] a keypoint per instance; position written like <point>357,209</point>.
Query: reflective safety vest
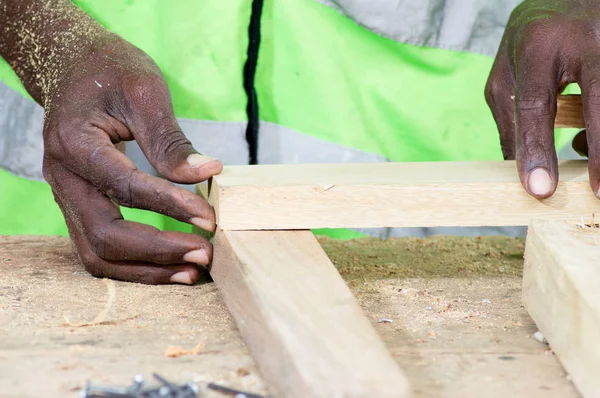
<point>336,81</point>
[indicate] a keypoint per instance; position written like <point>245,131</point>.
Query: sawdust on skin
<point>43,39</point>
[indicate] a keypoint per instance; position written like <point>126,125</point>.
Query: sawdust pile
<point>433,257</point>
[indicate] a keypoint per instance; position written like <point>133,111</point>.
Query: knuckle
<point>169,141</point>
<point>166,145</point>
<point>92,264</point>
<point>181,200</point>
<point>145,89</point>
<point>61,143</point>
<point>536,26</point>
<point>537,101</point>
<point>54,142</point>
<point>538,39</point>
<point>494,90</point>
<point>53,148</point>
<point>119,189</point>
<point>47,172</point>
<point>100,241</point>
<point>592,94</point>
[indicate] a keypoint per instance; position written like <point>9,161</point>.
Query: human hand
<point>116,95</point>
<point>98,91</point>
<point>546,46</point>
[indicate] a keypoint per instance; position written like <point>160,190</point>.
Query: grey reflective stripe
<point>384,233</point>
<point>277,144</point>
<point>461,25</point>
<point>21,146</point>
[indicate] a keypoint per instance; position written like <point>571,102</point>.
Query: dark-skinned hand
<point>547,45</point>
<point>98,91</point>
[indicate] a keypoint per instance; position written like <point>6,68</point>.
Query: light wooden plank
<point>300,321</point>
<point>272,197</point>
<point>569,112</point>
<point>561,292</point>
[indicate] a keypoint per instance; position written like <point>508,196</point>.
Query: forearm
<point>42,39</point>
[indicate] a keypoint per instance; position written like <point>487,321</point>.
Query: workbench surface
<point>457,326</point>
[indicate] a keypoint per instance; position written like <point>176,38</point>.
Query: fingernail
<point>182,277</point>
<point>197,160</point>
<point>203,223</point>
<point>196,256</point>
<point>540,183</point>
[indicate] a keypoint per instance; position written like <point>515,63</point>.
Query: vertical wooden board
<point>561,292</point>
<point>302,324</point>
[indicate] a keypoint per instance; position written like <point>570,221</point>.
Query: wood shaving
<point>243,372</point>
<point>100,319</point>
<point>177,351</point>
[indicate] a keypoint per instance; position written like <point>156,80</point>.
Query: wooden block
<point>561,292</point>
<point>301,323</point>
<point>569,112</point>
<point>271,197</point>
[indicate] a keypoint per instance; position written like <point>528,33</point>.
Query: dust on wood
<point>433,257</point>
<point>458,326</point>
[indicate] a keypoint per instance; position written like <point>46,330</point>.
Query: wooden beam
<point>569,112</point>
<point>271,197</point>
<point>301,323</point>
<point>561,292</point>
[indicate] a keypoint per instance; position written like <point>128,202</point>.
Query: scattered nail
<point>197,160</point>
<point>539,182</point>
<point>182,277</point>
<point>429,308</point>
<point>385,320</point>
<point>196,256</point>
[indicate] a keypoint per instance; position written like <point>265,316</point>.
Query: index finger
<point>98,161</point>
<point>590,96</point>
<point>535,112</point>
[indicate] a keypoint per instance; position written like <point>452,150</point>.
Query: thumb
<point>152,122</point>
<point>173,155</point>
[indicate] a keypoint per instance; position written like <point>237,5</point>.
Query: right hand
<point>118,94</point>
<point>546,46</point>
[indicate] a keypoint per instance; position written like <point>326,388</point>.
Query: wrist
<point>43,40</point>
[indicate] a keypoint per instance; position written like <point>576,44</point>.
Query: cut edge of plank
<point>555,298</point>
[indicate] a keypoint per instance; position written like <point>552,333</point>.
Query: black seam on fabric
<point>249,74</point>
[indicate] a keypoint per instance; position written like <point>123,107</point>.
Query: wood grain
<point>569,112</point>
<point>274,197</point>
<point>300,321</point>
<point>560,291</point>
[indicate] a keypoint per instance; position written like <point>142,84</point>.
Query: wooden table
<point>454,335</point>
